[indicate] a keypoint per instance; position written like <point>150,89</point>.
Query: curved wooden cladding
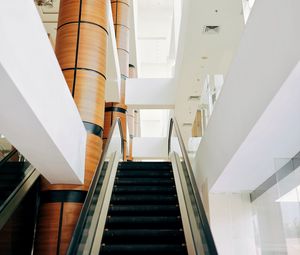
<point>110,116</point>
<point>56,224</point>
<point>91,11</point>
<point>91,51</point>
<point>89,94</point>
<point>120,12</point>
<point>122,38</point>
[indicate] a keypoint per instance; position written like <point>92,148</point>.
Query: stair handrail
<point>8,157</point>
<point>88,200</point>
<point>204,221</point>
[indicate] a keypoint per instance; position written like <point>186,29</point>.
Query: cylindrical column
<point>120,12</point>
<point>81,52</point>
<point>113,111</point>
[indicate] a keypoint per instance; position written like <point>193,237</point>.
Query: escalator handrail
<point>88,200</point>
<point>204,222</point>
<point>8,157</point>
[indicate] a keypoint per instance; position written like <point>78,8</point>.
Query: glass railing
<point>83,240</point>
<point>201,235</point>
<point>276,209</point>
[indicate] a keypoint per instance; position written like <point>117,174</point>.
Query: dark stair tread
<point>144,216</point>
<point>139,174</point>
<point>144,181</point>
<point>157,166</point>
<point>144,189</point>
<point>143,199</point>
<point>145,249</point>
<point>144,210</point>
<point>126,236</point>
<point>144,221</point>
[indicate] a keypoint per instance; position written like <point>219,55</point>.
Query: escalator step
<point>143,199</point>
<point>144,174</point>
<point>145,166</point>
<point>157,236</point>
<point>144,181</point>
<point>161,222</point>
<point>145,249</point>
<point>147,210</point>
<point>144,189</point>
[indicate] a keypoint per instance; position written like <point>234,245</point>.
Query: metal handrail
<point>204,222</point>
<point>88,200</point>
<point>7,157</point>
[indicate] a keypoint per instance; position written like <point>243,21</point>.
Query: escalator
<point>149,208</point>
<point>144,215</point>
<point>19,195</point>
<point>11,174</point>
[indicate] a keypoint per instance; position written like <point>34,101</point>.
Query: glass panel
<point>114,145</point>
<point>277,210</point>
<point>196,215</point>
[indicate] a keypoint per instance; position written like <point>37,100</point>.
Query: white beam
<point>37,112</point>
<point>150,93</point>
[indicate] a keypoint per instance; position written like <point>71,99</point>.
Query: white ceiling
<point>154,26</point>
<point>200,54</point>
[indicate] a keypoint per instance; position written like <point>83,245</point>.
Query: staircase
<point>144,216</point>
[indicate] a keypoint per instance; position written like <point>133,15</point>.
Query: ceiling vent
<point>44,3</point>
<point>211,30</point>
<point>186,124</point>
<point>194,98</point>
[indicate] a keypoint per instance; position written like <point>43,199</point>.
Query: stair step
<point>145,166</point>
<point>127,236</point>
<point>131,222</point>
<point>144,189</point>
<point>143,199</point>
<point>144,210</point>
<point>145,249</point>
<point>144,174</point>
<point>144,181</point>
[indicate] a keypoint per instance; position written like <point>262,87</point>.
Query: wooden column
<point>81,52</point>
<point>120,11</point>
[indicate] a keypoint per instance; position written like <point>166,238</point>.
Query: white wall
<point>150,93</point>
<point>252,82</point>
<point>37,112</point>
<point>150,147</point>
<point>232,224</point>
